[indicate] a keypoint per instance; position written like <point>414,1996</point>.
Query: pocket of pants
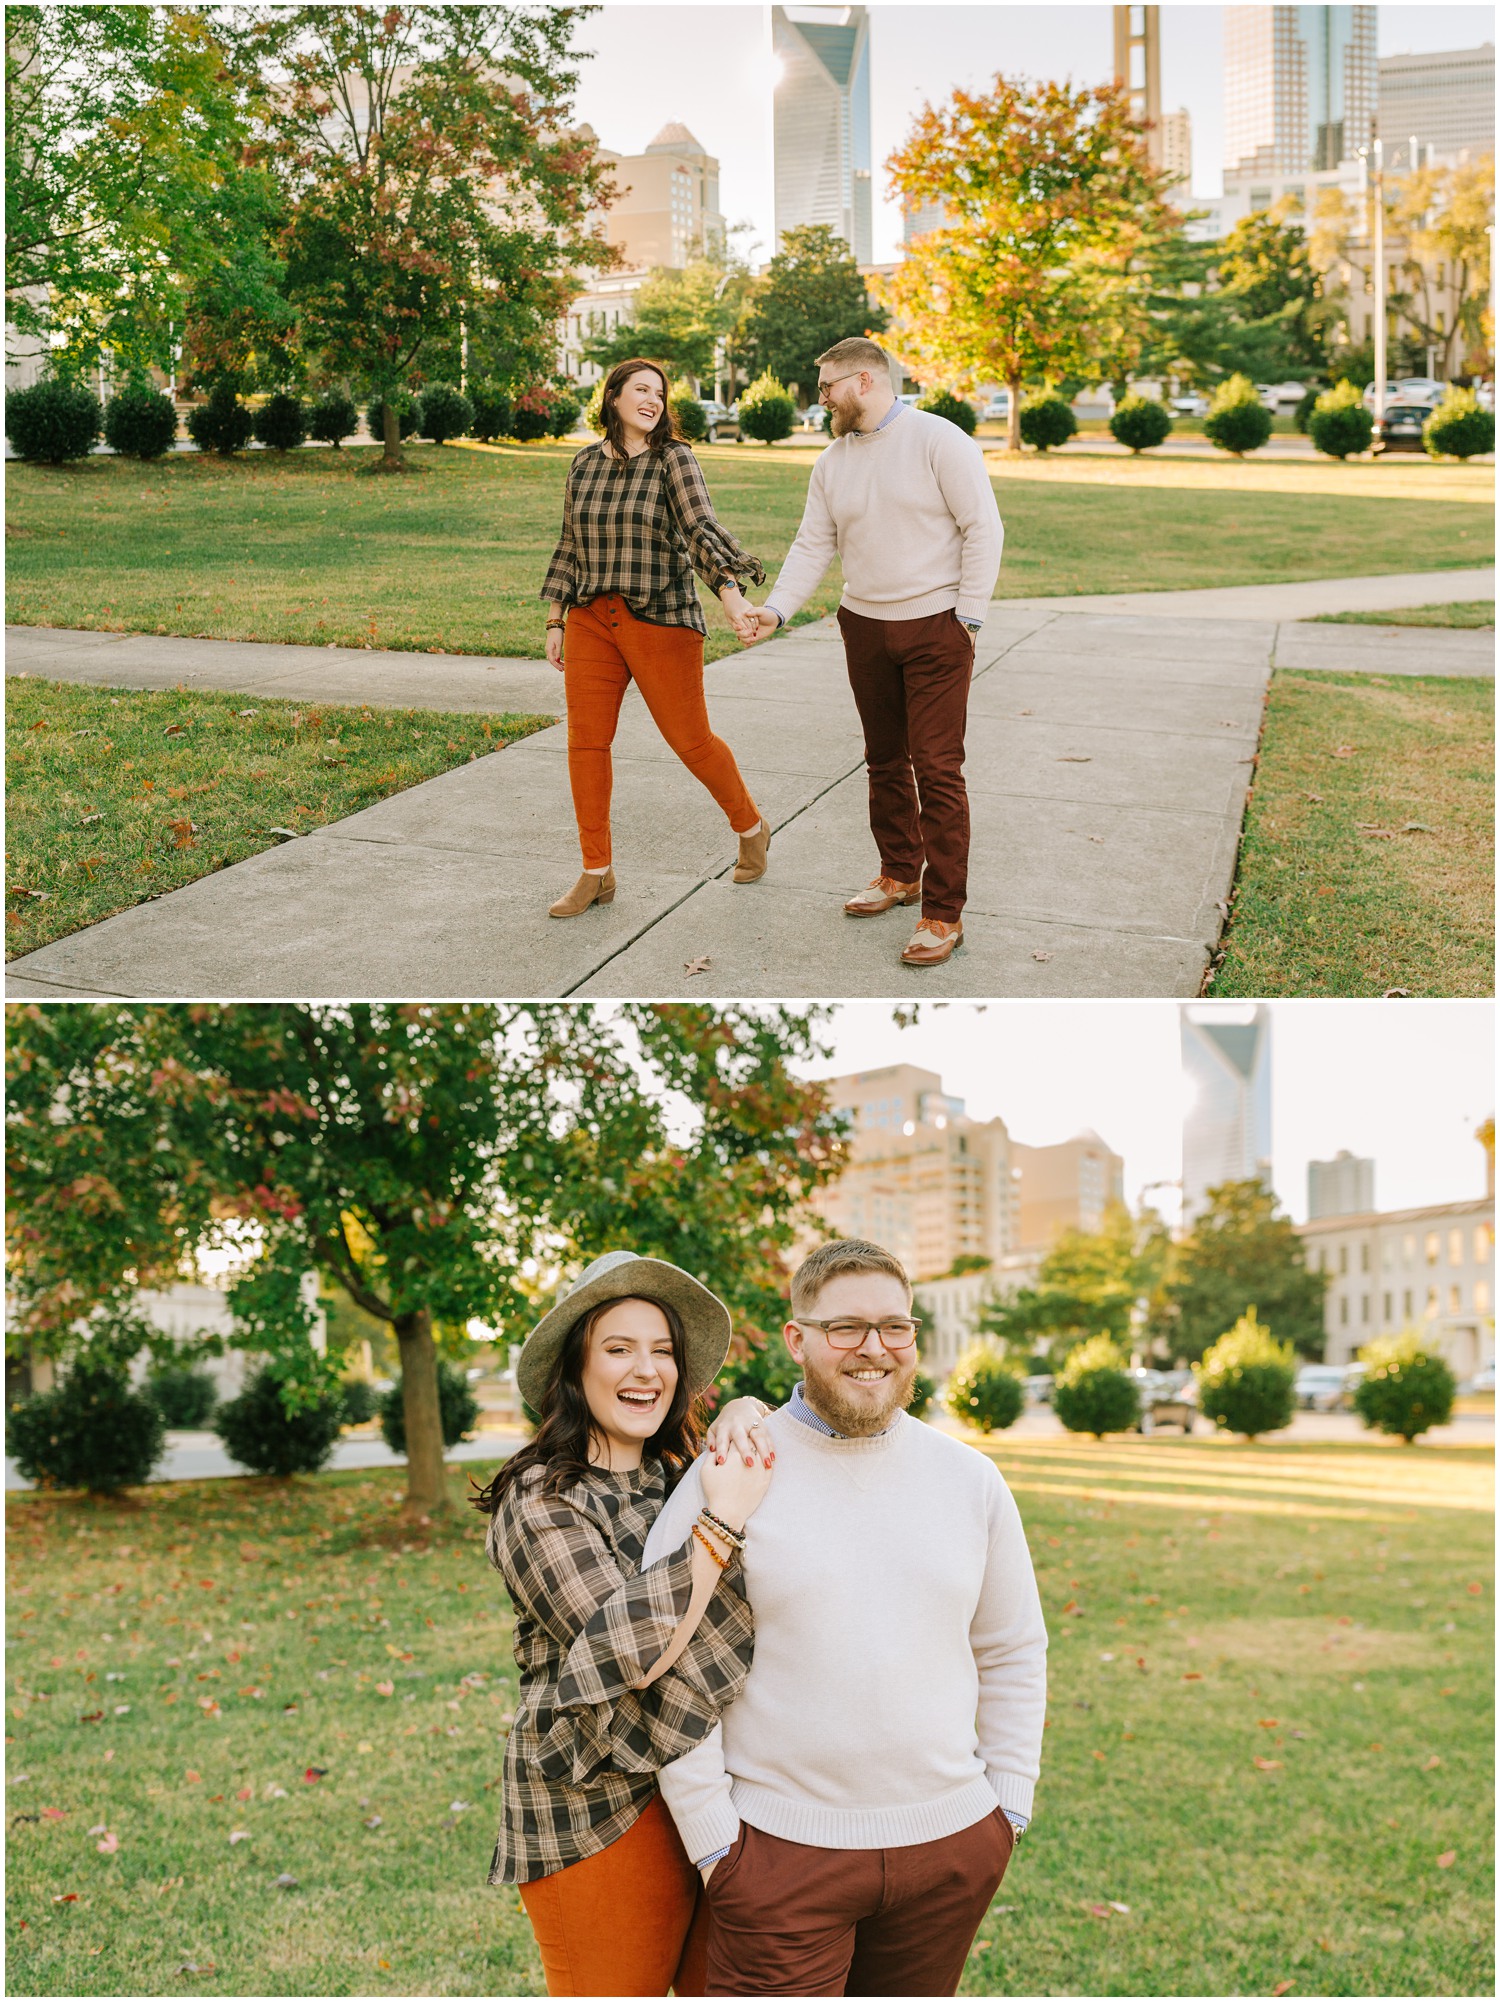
<point>1007,1835</point>
<point>727,1863</point>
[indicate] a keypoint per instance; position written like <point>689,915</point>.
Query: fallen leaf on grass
<point>286,1881</point>
<point>1342,751</point>
<point>292,833</point>
<point>108,1845</point>
<point>1116,1906</point>
<point>314,1774</point>
<point>54,1814</point>
<point>1282,1987</point>
<point>1268,1765</point>
<point>385,1689</point>
<point>692,966</point>
<point>374,1821</point>
<point>238,1835</point>
<point>244,1793</point>
<point>66,1898</point>
<point>276,1793</point>
<point>1193,1675</point>
<point>182,832</point>
<point>1315,797</point>
<point>1396,994</point>
<point>89,818</point>
<point>173,730</point>
<point>1448,1858</point>
<point>1432,1764</point>
<point>196,1967</point>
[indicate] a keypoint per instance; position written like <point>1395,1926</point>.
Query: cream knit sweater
<point>900,1673</point>
<point>911,511</point>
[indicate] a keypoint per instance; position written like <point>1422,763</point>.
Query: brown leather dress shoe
<point>755,853</point>
<point>882,895</point>
<point>589,889</point>
<point>932,942</point>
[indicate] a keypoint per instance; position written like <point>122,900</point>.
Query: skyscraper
<point>822,122</point>
<point>1344,1186</point>
<point>1443,98</point>
<point>1138,67</point>
<point>1299,87</point>
<point>1226,1126</point>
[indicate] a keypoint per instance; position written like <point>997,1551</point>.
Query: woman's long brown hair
<point>665,430</point>
<point>568,1428</point>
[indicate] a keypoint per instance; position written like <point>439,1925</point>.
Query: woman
<point>621,1671</point>
<point>637,522</point>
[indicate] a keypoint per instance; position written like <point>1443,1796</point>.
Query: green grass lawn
<point>117,795</point>
<point>316,550</point>
<point>1467,614</point>
<point>1367,856</point>
<point>1269,1734</point>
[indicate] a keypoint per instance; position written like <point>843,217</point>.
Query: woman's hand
<point>733,1429</point>
<point>555,647</point>
<point>734,1491</point>
<point>740,613</point>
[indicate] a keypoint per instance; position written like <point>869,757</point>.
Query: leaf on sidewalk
<point>1071,760</point>
<point>692,966</point>
<point>1041,955</point>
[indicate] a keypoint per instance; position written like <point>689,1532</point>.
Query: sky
<point>1406,1082</point>
<point>707,64</point>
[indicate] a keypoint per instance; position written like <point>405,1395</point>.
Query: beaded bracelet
<point>733,1536</point>
<point>722,1562</point>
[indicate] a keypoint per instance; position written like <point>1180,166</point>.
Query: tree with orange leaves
<point>1050,207</point>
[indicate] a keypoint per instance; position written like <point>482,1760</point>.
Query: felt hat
<point>622,1275</point>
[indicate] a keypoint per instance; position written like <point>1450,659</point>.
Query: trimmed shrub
<point>1246,1379</point>
<point>1140,422</point>
<point>688,414</point>
<point>593,412</point>
<point>923,1390</point>
<point>446,412</point>
<point>1302,415</point>
<point>184,1396</point>
<point>767,411</point>
<point>1046,420</point>
<point>281,422</point>
<point>1405,1388</point>
<point>563,414</point>
<point>93,1431</point>
<point>1237,420</point>
<point>1093,1393</point>
<point>140,422</point>
<point>458,1408</point>
<point>361,1401</point>
<point>1458,428</point>
<point>221,425</point>
<point>493,410</point>
<point>333,418</point>
<point>260,1433</point>
<point>984,1391</point>
<point>1340,424</point>
<point>957,409</point>
<point>53,421</point>
<point>408,415</point>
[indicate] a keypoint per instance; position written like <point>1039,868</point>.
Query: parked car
<point>1279,396</point>
<point>1400,430</point>
<point>912,396</point>
<point>1166,1399</point>
<point>722,422</point>
<point>1190,405</point>
<point>1483,1380</point>
<point>811,419</point>
<point>1038,1389</point>
<point>1394,391</point>
<point>997,409</point>
<point>1320,1386</point>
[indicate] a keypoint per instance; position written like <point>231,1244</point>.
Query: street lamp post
<point>1373,181</point>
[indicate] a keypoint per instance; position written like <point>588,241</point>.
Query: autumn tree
<point>436,1162</point>
<point>1445,215</point>
<point>810,295</point>
<point>1038,272</point>
<point>1241,1252</point>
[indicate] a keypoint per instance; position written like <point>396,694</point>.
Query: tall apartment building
<point>1444,99</point>
<point>1344,1186</point>
<point>822,123</point>
<point>1177,148</point>
<point>1226,1127</point>
<point>666,211</point>
<point>1065,1187</point>
<point>1299,88</point>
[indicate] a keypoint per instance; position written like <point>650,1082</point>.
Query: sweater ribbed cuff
<point>972,608</point>
<point>1014,1793</point>
<point>712,1828</point>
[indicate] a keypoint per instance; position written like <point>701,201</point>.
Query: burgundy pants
<point>788,1919</point>
<point>911,686</point>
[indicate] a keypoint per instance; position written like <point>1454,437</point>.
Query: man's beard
<point>844,420</point>
<point>859,1416</point>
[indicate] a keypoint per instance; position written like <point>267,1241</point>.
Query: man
<point>903,497</point>
<point>855,1809</point>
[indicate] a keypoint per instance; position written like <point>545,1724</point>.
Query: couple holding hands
<point>903,498</point>
<point>781,1702</point>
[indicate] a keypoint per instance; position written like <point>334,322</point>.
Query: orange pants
<point>606,648</point>
<point>628,1921</point>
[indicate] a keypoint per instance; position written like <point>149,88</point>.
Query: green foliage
<point>1246,1380</point>
<point>360,1401</point>
<point>1237,420</point>
<point>1141,422</point>
<point>1265,271</point>
<point>957,409</point>
<point>985,1389</point>
<point>333,418</point>
<point>688,413</point>
<point>563,413</point>
<point>140,422</point>
<point>593,414</point>
<point>493,410</point>
<point>93,1431</point>
<point>1241,1250</point>
<point>458,1408</point>
<point>281,422</point>
<point>923,1390</point>
<point>1406,1389</point>
<point>221,425</point>
<point>1302,415</point>
<point>1047,420</point>
<point>1459,427</point>
<point>767,411</point>
<point>1339,423</point>
<point>184,1396</point>
<point>260,1432</point>
<point>811,295</point>
<point>758,1366</point>
<point>446,412</point>
<point>408,414</point>
<point>1090,1281</point>
<point>544,412</point>
<point>1093,1392</point>
<point>679,320</point>
<point>53,421</point>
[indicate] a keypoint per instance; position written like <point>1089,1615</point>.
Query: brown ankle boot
<point>755,852</point>
<point>589,889</point>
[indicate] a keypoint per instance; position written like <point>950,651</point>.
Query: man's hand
<point>764,622</point>
<point>706,1874</point>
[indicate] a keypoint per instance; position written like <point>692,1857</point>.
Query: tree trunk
<point>426,1481</point>
<point>1013,433</point>
<point>391,424</point>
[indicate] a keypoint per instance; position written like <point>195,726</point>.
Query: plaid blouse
<point>640,528</point>
<point>584,1751</point>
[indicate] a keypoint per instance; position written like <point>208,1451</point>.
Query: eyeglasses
<point>847,1334</point>
<point>824,387</point>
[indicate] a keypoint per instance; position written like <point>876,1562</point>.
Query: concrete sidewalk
<point>1109,757</point>
<point>1290,601</point>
